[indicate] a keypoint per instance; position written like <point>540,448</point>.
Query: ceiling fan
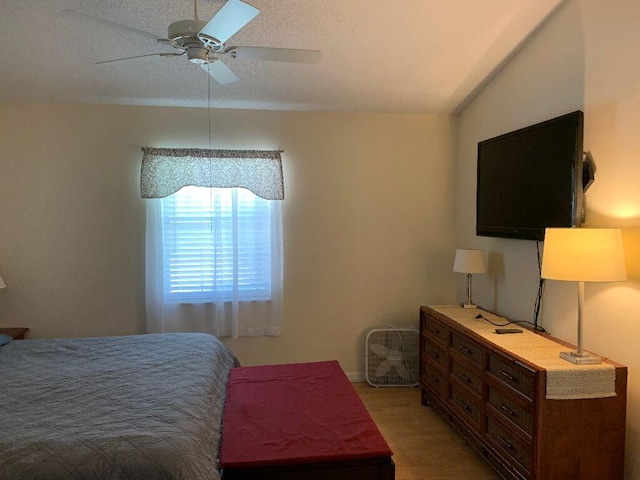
<point>203,42</point>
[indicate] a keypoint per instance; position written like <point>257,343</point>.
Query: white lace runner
<point>564,380</point>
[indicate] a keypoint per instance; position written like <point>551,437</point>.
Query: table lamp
<point>469,261</point>
<point>583,255</point>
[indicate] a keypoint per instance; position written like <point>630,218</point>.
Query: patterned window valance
<point>167,170</point>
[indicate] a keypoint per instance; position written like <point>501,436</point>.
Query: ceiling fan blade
<point>292,55</point>
<point>219,72</point>
<point>102,21</point>
<point>140,56</point>
<point>228,20</point>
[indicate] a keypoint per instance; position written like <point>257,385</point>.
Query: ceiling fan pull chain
<point>209,102</point>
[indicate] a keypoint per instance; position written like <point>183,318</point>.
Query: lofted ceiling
<point>378,55</point>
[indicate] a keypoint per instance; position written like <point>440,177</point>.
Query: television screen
<point>531,179</point>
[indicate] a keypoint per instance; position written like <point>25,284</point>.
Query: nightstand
<point>15,333</point>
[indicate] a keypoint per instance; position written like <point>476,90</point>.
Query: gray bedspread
<point>136,407</point>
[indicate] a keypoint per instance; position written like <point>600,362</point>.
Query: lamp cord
<point>511,322</point>
<point>538,303</point>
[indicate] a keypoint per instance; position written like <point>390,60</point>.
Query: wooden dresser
<point>497,400</point>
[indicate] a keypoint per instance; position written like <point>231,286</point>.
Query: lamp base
<point>580,359</point>
<point>468,305</point>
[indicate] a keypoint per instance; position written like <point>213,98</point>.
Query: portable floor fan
<point>391,358</point>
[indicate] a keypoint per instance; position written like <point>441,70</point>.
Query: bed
<point>135,407</point>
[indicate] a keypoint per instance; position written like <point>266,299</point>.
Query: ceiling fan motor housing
<point>183,35</point>
<point>185,29</point>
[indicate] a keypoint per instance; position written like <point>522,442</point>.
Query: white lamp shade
<point>469,261</point>
<point>2,284</point>
<point>583,255</point>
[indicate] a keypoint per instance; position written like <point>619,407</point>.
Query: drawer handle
<point>435,354</point>
<point>510,412</point>
<point>435,330</point>
<point>506,443</point>
<point>508,376</point>
<point>464,349</point>
<point>435,379</point>
<point>464,378</point>
<point>464,406</point>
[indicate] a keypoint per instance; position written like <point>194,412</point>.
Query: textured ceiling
<point>378,55</point>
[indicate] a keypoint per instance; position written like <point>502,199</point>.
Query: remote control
<point>508,330</point>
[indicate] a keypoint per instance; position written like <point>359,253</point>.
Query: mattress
<point>135,407</point>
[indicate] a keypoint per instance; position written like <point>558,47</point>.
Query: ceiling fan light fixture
<point>198,55</point>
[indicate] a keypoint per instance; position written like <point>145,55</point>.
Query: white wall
<point>368,219</point>
<point>582,59</point>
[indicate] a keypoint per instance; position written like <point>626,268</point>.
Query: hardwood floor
<point>425,446</point>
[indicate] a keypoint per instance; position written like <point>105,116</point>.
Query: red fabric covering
<point>293,414</point>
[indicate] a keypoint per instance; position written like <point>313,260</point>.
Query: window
<point>217,245</point>
<point>213,251</point>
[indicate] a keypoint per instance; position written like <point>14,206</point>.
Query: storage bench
<point>299,421</point>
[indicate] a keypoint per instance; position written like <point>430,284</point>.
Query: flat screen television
<point>531,179</point>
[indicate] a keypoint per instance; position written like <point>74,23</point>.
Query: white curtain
<point>220,317</point>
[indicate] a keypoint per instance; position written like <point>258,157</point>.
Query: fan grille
<point>391,357</point>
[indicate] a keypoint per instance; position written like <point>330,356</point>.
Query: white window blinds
<point>217,245</point>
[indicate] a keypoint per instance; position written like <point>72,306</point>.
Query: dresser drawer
<point>436,329</point>
<point>468,408</point>
<point>468,377</point>
<point>512,375</point>
<point>435,354</point>
<point>436,382</point>
<point>516,414</point>
<point>509,444</point>
<point>467,348</point>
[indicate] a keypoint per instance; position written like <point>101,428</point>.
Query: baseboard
<point>355,377</point>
